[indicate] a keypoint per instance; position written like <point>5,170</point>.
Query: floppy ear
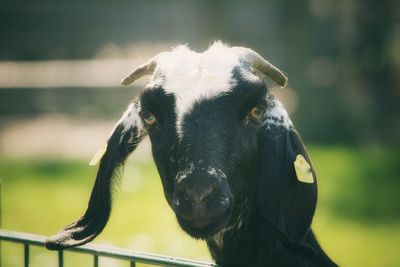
<point>287,196</point>
<point>123,140</point>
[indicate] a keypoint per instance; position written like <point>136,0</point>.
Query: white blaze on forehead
<point>193,76</point>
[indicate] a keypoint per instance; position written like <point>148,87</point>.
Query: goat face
<point>202,112</point>
<point>205,156</point>
<point>226,152</point>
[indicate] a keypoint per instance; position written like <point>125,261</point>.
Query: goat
<point>233,168</point>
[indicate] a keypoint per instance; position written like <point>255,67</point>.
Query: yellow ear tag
<point>99,154</point>
<point>303,170</point>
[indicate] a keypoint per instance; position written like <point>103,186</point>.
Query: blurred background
<point>60,67</point>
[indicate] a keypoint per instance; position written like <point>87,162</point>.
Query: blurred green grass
<point>357,219</point>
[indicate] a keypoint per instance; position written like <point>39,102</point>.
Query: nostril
<point>209,194</point>
<point>199,194</point>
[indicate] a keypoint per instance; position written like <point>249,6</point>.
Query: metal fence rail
<point>99,251</point>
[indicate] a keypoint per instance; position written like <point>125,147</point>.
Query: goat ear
<point>122,141</point>
<point>285,199</point>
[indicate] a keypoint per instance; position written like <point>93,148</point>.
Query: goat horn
<point>145,69</point>
<point>259,63</point>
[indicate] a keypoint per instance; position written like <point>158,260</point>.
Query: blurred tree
<point>376,78</point>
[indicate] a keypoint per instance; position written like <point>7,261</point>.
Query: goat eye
<point>257,113</point>
<point>149,118</point>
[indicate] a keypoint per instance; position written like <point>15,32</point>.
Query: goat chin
<point>205,228</point>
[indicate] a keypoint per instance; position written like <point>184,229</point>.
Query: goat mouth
<point>203,228</point>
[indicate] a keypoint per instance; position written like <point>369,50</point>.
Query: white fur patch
<point>277,115</point>
<point>193,76</point>
<point>130,119</point>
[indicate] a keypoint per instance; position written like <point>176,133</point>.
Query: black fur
<point>229,178</point>
<point>120,144</point>
<point>274,226</point>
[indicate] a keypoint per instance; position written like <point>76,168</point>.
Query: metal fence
<point>27,240</point>
<point>97,251</point>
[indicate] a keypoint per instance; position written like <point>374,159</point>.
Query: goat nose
<point>198,194</point>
